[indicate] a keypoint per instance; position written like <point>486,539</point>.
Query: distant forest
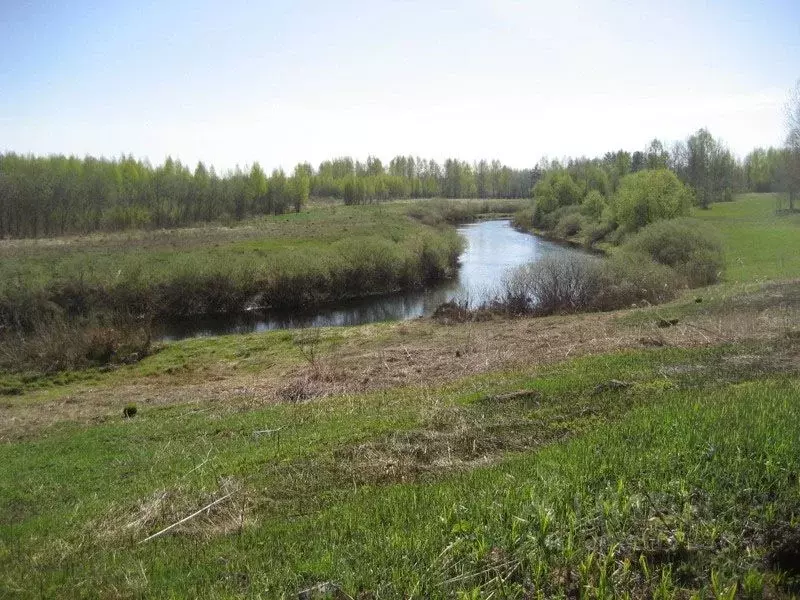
<point>57,195</point>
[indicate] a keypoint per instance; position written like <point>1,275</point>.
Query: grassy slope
<point>684,480</point>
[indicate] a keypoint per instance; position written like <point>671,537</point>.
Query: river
<point>493,248</point>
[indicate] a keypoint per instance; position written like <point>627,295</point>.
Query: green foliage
<point>597,232</point>
<point>593,205</point>
<point>689,246</point>
<point>556,190</point>
<point>649,196</point>
<point>549,221</point>
<point>57,195</point>
<point>569,225</point>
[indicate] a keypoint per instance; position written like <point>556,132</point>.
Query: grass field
<point>760,245</point>
<point>590,456</point>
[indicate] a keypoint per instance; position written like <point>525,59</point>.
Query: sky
<point>235,82</point>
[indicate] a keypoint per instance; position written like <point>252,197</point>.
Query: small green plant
<point>753,585</point>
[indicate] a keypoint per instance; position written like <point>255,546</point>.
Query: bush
<point>523,219</point>
<point>550,221</point>
<point>583,284</point>
<point>569,225</point>
<point>597,232</point>
<point>57,344</point>
<point>690,247</point>
<point>556,190</point>
<point>649,196</point>
<point>630,279</point>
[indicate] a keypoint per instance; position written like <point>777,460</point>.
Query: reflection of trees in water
<point>493,248</point>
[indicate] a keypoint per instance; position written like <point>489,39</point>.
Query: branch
<point>191,516</point>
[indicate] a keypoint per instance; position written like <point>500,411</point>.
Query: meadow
<point>761,244</point>
<point>612,455</point>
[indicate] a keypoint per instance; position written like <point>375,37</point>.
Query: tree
<point>301,185</point>
<point>699,148</point>
<point>791,165</point>
<point>649,196</point>
<point>656,157</point>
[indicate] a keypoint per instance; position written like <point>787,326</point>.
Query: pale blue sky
<point>279,82</point>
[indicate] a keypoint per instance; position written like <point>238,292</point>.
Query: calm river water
<point>493,248</point>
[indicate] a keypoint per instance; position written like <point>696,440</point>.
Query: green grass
<point>373,242</point>
<point>421,491</point>
<point>760,245</point>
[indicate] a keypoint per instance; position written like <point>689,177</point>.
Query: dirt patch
<point>784,556</point>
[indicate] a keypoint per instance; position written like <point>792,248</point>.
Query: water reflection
<point>493,248</point>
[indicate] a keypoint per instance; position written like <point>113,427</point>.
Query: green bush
<point>689,246</point>
<point>523,219</point>
<point>649,196</point>
<point>550,221</point>
<point>630,278</point>
<point>597,232</point>
<point>569,225</point>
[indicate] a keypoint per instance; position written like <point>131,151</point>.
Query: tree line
<point>57,195</point>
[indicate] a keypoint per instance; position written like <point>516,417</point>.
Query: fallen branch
<point>191,516</point>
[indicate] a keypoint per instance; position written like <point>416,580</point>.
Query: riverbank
<point>106,290</point>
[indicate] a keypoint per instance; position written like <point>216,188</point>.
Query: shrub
<point>649,196</point>
<point>58,344</point>
<point>551,220</point>
<point>630,278</point>
<point>554,284</point>
<point>569,225</point>
<point>582,283</point>
<point>597,232</point>
<point>523,219</point>
<point>690,247</point>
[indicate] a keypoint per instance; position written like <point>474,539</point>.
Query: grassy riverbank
<point>316,256</point>
<point>649,452</point>
<point>82,300</point>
